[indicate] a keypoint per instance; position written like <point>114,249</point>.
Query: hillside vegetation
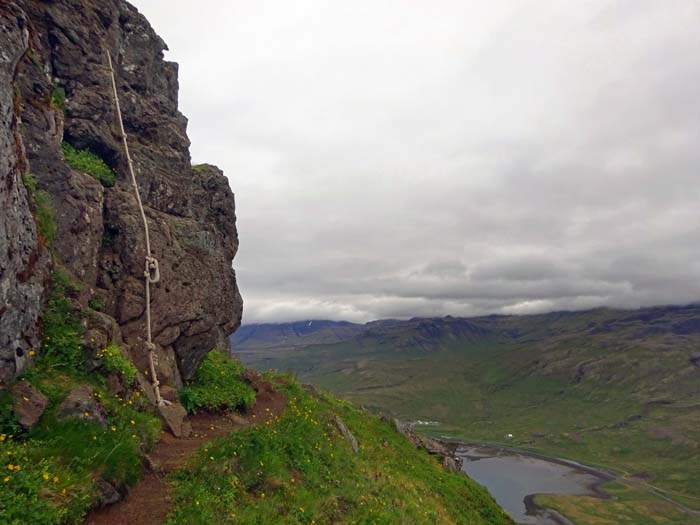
<point>616,389</point>
<point>299,469</point>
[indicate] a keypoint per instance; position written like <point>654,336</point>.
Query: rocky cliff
<point>55,93</point>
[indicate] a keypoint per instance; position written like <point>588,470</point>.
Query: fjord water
<point>511,478</point>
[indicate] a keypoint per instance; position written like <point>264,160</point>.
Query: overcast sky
<point>401,158</point>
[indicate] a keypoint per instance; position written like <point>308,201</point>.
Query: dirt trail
<point>149,502</point>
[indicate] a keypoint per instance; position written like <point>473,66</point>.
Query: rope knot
<point>152,271</point>
<point>151,346</point>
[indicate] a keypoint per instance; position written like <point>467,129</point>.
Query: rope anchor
<point>152,272</point>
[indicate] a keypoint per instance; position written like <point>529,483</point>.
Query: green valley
<point>618,390</point>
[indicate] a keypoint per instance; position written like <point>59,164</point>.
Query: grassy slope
<point>613,397</point>
<point>298,469</point>
<point>57,463</point>
<point>49,473</point>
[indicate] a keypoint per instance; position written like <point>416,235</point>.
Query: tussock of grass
<point>8,421</point>
<point>217,385</point>
<point>58,99</point>
<point>298,469</point>
<point>62,347</point>
<point>96,304</point>
<point>42,208</point>
<point>113,360</point>
<point>87,162</point>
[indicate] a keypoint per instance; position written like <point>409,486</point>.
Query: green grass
<point>42,210</point>
<point>112,360</point>
<point>298,469</point>
<point>9,425</point>
<point>626,505</point>
<point>96,304</point>
<point>217,385</point>
<point>87,162</point>
<point>58,99</point>
<point>62,347</point>
<point>48,474</point>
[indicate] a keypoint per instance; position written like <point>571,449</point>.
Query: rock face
<point>51,48</point>
<point>23,261</point>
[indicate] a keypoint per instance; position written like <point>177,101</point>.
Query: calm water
<point>511,477</point>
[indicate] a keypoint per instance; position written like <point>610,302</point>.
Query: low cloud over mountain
<point>394,159</point>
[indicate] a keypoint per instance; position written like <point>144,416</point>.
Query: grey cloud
<point>522,269</point>
<point>393,159</point>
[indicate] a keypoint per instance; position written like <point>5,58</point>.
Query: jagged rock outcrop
<point>450,460</point>
<point>61,48</point>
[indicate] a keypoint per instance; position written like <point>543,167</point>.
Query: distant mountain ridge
<point>654,352</point>
<point>298,333</point>
<point>657,320</point>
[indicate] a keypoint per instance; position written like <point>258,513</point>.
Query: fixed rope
<point>151,272</point>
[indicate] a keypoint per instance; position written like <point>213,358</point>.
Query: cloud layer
<point>401,158</point>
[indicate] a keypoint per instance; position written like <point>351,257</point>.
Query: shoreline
<point>531,507</point>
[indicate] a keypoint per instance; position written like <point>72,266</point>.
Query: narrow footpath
<point>149,501</point>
